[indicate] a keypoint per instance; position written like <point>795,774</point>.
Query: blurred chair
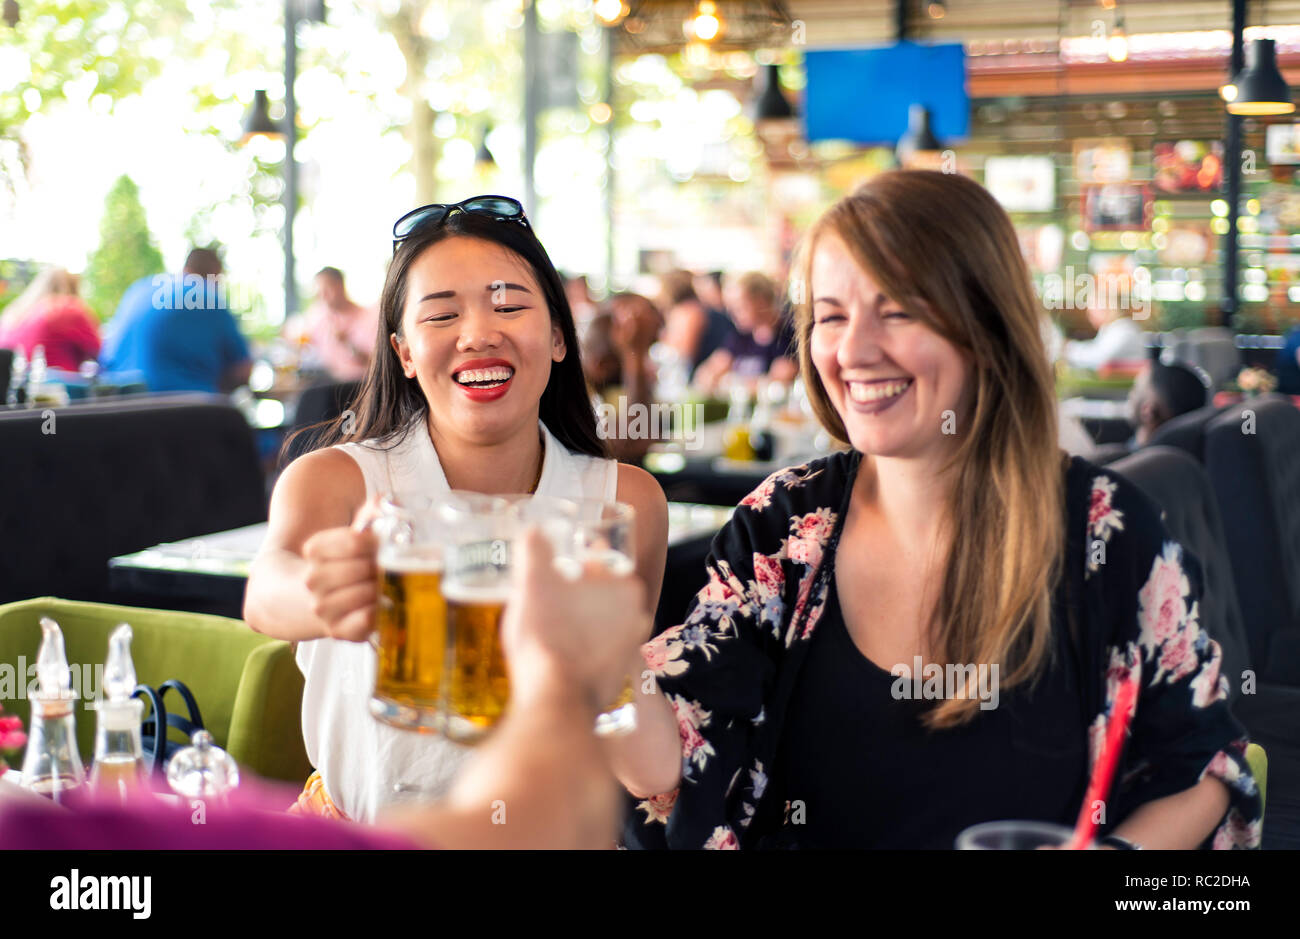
<point>1212,348</point>
<point>1258,760</point>
<point>1252,454</point>
<point>684,576</point>
<point>1181,487</point>
<point>86,483</point>
<point>1186,432</point>
<point>319,403</point>
<point>247,685</point>
<point>1108,453</point>
<point>1108,430</point>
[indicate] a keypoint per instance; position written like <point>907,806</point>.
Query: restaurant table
<point>208,574</point>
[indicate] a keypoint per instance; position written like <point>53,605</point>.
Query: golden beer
<point>478,685</point>
<point>411,622</point>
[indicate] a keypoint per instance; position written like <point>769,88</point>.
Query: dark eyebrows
<point>490,288</point>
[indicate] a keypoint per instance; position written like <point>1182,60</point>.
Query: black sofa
<point>85,483</point>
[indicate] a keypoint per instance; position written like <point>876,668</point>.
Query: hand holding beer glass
<point>445,579</point>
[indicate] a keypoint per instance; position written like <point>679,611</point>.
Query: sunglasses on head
<point>501,208</point>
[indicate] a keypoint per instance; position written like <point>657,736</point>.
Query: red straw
<point>1103,773</point>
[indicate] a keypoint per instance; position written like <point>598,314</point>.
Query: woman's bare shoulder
<point>643,492</point>
<point>319,490</point>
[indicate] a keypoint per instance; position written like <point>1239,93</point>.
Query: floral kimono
<point>730,670</point>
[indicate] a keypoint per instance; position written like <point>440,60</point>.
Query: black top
<point>859,769</point>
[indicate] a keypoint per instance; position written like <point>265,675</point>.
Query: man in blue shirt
<point>1288,364</point>
<point>178,331</point>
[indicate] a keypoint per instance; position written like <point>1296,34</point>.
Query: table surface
<point>230,553</point>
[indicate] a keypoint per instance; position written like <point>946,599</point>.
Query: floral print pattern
<point>749,629</point>
<point>792,477</point>
<point>1103,520</point>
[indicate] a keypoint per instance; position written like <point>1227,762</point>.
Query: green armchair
<point>247,685</point>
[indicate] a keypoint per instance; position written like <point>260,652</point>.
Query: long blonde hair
<point>53,281</point>
<point>942,247</point>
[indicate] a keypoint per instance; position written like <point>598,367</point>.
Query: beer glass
<point>476,585</point>
<point>411,619</point>
<point>604,533</point>
<point>1014,835</point>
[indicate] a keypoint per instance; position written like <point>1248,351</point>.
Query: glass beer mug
<point>475,586</point>
<point>411,619</point>
<point>604,532</point>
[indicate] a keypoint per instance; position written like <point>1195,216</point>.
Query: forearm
<point>277,602</point>
<point>647,761</point>
<point>1180,821</point>
<point>540,782</point>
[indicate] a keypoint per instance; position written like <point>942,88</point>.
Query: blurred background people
<point>691,329</point>
<point>762,344</point>
<point>340,332</point>
<point>1162,392</point>
<point>1288,364</point>
<point>177,331</point>
<point>708,287</point>
<point>1119,341</point>
<point>49,313</point>
<point>616,360</point>
<point>580,301</point>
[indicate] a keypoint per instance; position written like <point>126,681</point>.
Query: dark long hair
<point>388,402</point>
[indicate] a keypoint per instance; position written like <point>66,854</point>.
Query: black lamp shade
<point>772,103</point>
<point>258,123</point>
<point>918,136</point>
<point>1261,89</point>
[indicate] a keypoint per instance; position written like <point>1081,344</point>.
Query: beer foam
<point>423,561</point>
<point>461,592</point>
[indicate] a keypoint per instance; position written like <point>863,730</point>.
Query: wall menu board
<point>1103,160</point>
<point>1115,207</point>
<point>1187,166</point>
<point>1022,183</point>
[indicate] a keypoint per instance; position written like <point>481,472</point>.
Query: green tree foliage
<point>126,250</point>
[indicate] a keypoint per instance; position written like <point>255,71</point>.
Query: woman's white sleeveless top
<point>364,764</point>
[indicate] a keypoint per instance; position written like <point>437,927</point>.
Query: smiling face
<point>478,337</point>
<point>889,376</point>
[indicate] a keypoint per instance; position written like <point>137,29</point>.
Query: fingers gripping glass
<point>501,208</point>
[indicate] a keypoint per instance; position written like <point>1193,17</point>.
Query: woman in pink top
<point>49,313</point>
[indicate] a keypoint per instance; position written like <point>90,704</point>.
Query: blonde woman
<point>797,705</point>
<point>51,315</point>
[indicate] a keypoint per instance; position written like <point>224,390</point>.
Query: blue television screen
<point>863,95</point>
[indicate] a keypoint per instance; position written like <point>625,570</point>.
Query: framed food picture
<point>1282,144</point>
<point>1022,183</point>
<point>1102,160</point>
<point>1116,207</point>
<point>1187,167</point>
